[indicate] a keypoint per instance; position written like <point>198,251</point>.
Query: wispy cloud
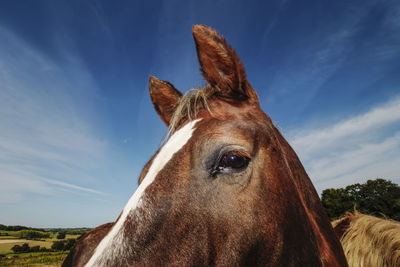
<point>343,153</point>
<point>45,128</point>
<point>272,23</point>
<point>312,142</point>
<point>319,58</point>
<point>309,65</point>
<point>67,185</point>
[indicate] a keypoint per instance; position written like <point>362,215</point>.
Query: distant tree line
<point>18,228</point>
<point>26,248</point>
<point>379,197</point>
<point>64,244</point>
<point>70,231</point>
<point>61,235</point>
<point>57,246</point>
<point>30,234</point>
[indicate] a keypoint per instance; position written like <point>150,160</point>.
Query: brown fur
<point>369,241</point>
<point>266,214</point>
<point>164,97</point>
<point>84,249</point>
<point>220,64</point>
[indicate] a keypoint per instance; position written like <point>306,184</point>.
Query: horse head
<point>224,189</point>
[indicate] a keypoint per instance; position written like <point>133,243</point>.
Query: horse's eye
<point>233,160</point>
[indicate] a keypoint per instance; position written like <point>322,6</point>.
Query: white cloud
<point>312,142</point>
<point>47,137</point>
<point>63,184</point>
<point>354,159</point>
<point>14,186</point>
<point>362,147</point>
<point>387,168</point>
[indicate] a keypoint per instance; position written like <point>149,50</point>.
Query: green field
<point>38,259</point>
<point>8,233</point>
<point>9,239</point>
<point>7,242</point>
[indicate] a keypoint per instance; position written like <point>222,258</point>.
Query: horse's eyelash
<point>239,153</point>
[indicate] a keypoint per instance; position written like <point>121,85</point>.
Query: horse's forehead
<point>240,121</point>
<point>172,145</point>
<point>231,107</point>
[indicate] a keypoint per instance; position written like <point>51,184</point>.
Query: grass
<point>7,242</point>
<point>8,239</point>
<point>10,233</point>
<point>5,248</point>
<point>54,237</point>
<point>37,259</point>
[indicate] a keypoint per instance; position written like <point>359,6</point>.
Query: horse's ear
<point>341,227</point>
<point>220,65</point>
<point>165,98</point>
<point>343,224</point>
<point>351,216</point>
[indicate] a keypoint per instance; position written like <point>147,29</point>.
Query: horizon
<point>77,124</point>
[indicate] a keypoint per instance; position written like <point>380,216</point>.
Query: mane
<point>371,241</point>
<point>189,105</point>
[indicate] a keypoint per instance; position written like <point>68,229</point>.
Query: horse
<point>368,240</point>
<point>224,189</point>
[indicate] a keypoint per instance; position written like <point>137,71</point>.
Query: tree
<point>25,247</point>
<point>20,249</point>
<point>44,249</point>
<point>377,197</point>
<point>30,234</point>
<point>58,245</point>
<point>16,249</point>
<point>61,235</point>
<point>34,249</point>
<point>70,243</point>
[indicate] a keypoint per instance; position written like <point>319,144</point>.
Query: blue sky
<point>77,124</point>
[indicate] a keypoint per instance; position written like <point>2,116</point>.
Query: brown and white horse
<point>225,189</point>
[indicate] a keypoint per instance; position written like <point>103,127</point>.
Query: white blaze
<point>174,144</point>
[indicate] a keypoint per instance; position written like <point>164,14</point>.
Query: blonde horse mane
<point>370,241</point>
<point>189,104</point>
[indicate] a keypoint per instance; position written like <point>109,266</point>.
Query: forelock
<point>190,104</point>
